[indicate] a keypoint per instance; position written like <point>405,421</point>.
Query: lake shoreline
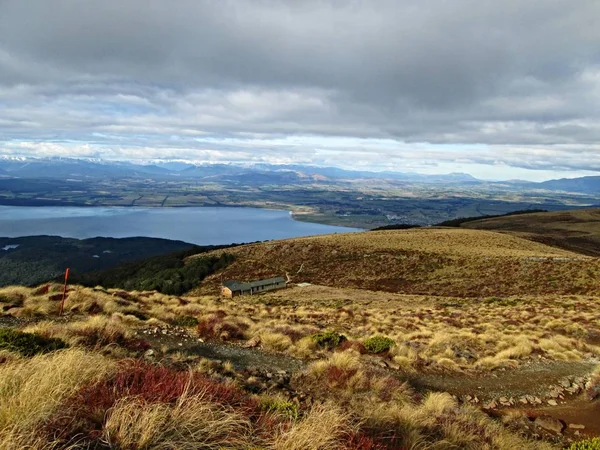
<point>201,225</point>
<point>295,215</point>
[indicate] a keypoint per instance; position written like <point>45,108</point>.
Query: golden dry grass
<point>432,261</point>
<point>192,423</point>
<point>32,389</point>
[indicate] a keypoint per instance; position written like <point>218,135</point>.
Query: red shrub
<point>206,327</point>
<point>82,417</point>
<point>360,441</point>
<point>213,326</point>
<point>337,377</point>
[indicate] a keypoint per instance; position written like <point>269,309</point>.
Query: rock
<point>523,400</point>
<point>549,423</point>
<point>576,426</point>
<point>149,353</point>
<point>492,405</point>
<point>475,399</point>
<point>254,342</point>
<point>468,398</point>
<point>552,402</point>
<point>565,383</point>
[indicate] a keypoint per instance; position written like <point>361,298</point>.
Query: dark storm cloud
<point>522,78</point>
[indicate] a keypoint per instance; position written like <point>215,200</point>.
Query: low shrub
<point>328,339</point>
<point>185,321</point>
<point>588,444</point>
<point>379,344</point>
<point>28,344</point>
<point>278,405</point>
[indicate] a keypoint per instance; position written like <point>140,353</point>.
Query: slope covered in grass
<point>575,230</point>
<point>433,261</point>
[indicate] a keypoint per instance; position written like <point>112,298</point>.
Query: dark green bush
<point>328,339</point>
<point>186,321</point>
<point>379,344</point>
<point>588,444</point>
<point>28,344</point>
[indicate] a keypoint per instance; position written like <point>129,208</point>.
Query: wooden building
<point>232,288</point>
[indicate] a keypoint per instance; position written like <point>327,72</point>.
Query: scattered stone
<point>475,399</point>
<point>565,383</point>
<point>149,353</point>
<point>549,423</point>
<point>552,402</point>
<point>492,405</point>
<point>254,342</point>
<point>523,400</point>
<point>554,394</point>
<point>468,398</point>
<point>576,426</point>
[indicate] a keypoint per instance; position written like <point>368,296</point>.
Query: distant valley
<point>314,194</point>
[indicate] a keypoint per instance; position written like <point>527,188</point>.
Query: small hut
<point>232,288</point>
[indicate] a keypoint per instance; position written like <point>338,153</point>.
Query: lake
<point>202,226</point>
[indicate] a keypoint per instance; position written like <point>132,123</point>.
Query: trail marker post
<point>62,302</point>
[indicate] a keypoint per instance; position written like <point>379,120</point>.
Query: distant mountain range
<point>71,169</point>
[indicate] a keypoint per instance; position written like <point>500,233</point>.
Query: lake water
<point>202,226</point>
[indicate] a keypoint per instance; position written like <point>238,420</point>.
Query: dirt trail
<point>535,379</point>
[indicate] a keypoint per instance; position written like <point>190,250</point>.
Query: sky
<point>501,90</point>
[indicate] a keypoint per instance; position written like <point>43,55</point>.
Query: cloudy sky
<point>500,89</point>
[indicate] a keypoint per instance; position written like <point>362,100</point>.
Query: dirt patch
<point>241,358</point>
<point>9,321</point>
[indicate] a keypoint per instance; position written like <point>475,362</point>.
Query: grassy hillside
<point>575,230</point>
<point>433,261</point>
<point>424,338</point>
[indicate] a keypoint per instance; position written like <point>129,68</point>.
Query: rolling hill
<point>429,261</point>
<point>574,230</point>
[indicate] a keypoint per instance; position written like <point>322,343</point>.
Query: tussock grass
<point>31,390</point>
<point>323,427</point>
<point>94,332</point>
<point>192,422</point>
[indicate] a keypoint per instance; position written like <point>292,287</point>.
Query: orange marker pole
<point>62,303</point>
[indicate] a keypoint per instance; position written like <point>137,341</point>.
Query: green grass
<point>379,344</point>
<point>588,444</point>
